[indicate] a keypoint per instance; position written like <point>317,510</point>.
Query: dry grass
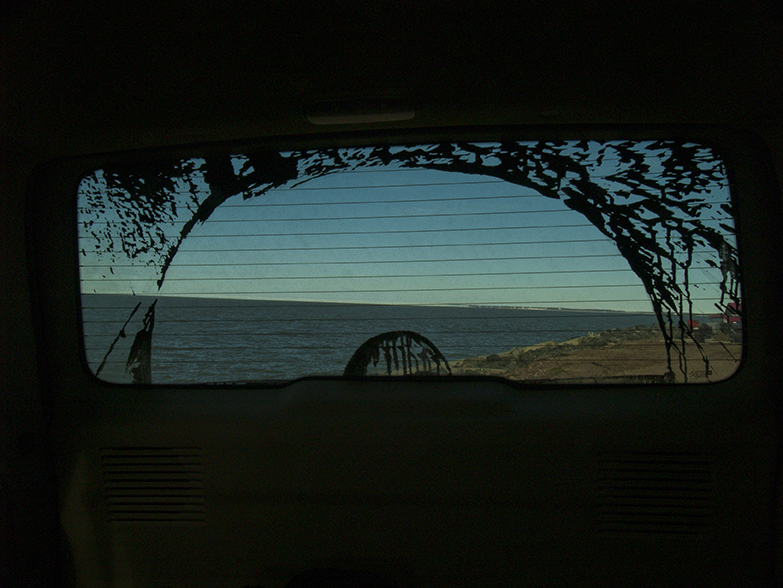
<point>645,357</point>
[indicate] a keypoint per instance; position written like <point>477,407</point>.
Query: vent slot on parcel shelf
<point>655,493</point>
<point>153,484</point>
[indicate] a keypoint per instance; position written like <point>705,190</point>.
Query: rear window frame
<point>741,152</point>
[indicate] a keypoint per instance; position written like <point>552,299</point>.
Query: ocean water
<point>217,340</point>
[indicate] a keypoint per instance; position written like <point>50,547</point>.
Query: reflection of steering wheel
<point>396,348</point>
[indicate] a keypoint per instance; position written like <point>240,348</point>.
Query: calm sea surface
<point>211,340</point>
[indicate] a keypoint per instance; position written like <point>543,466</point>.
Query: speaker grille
<point>153,484</point>
<point>655,493</point>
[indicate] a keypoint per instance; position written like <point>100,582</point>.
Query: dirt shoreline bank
<point>636,354</point>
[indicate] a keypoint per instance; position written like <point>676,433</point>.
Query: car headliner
<point>81,80</point>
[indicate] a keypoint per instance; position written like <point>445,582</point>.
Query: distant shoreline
<point>218,299</point>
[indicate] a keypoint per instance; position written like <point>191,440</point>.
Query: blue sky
<point>394,236</point>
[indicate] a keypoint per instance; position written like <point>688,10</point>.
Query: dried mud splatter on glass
<point>652,204</point>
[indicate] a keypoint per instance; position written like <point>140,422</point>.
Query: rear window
<point>567,261</point>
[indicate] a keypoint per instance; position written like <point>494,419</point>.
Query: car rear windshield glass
<point>545,261</point>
